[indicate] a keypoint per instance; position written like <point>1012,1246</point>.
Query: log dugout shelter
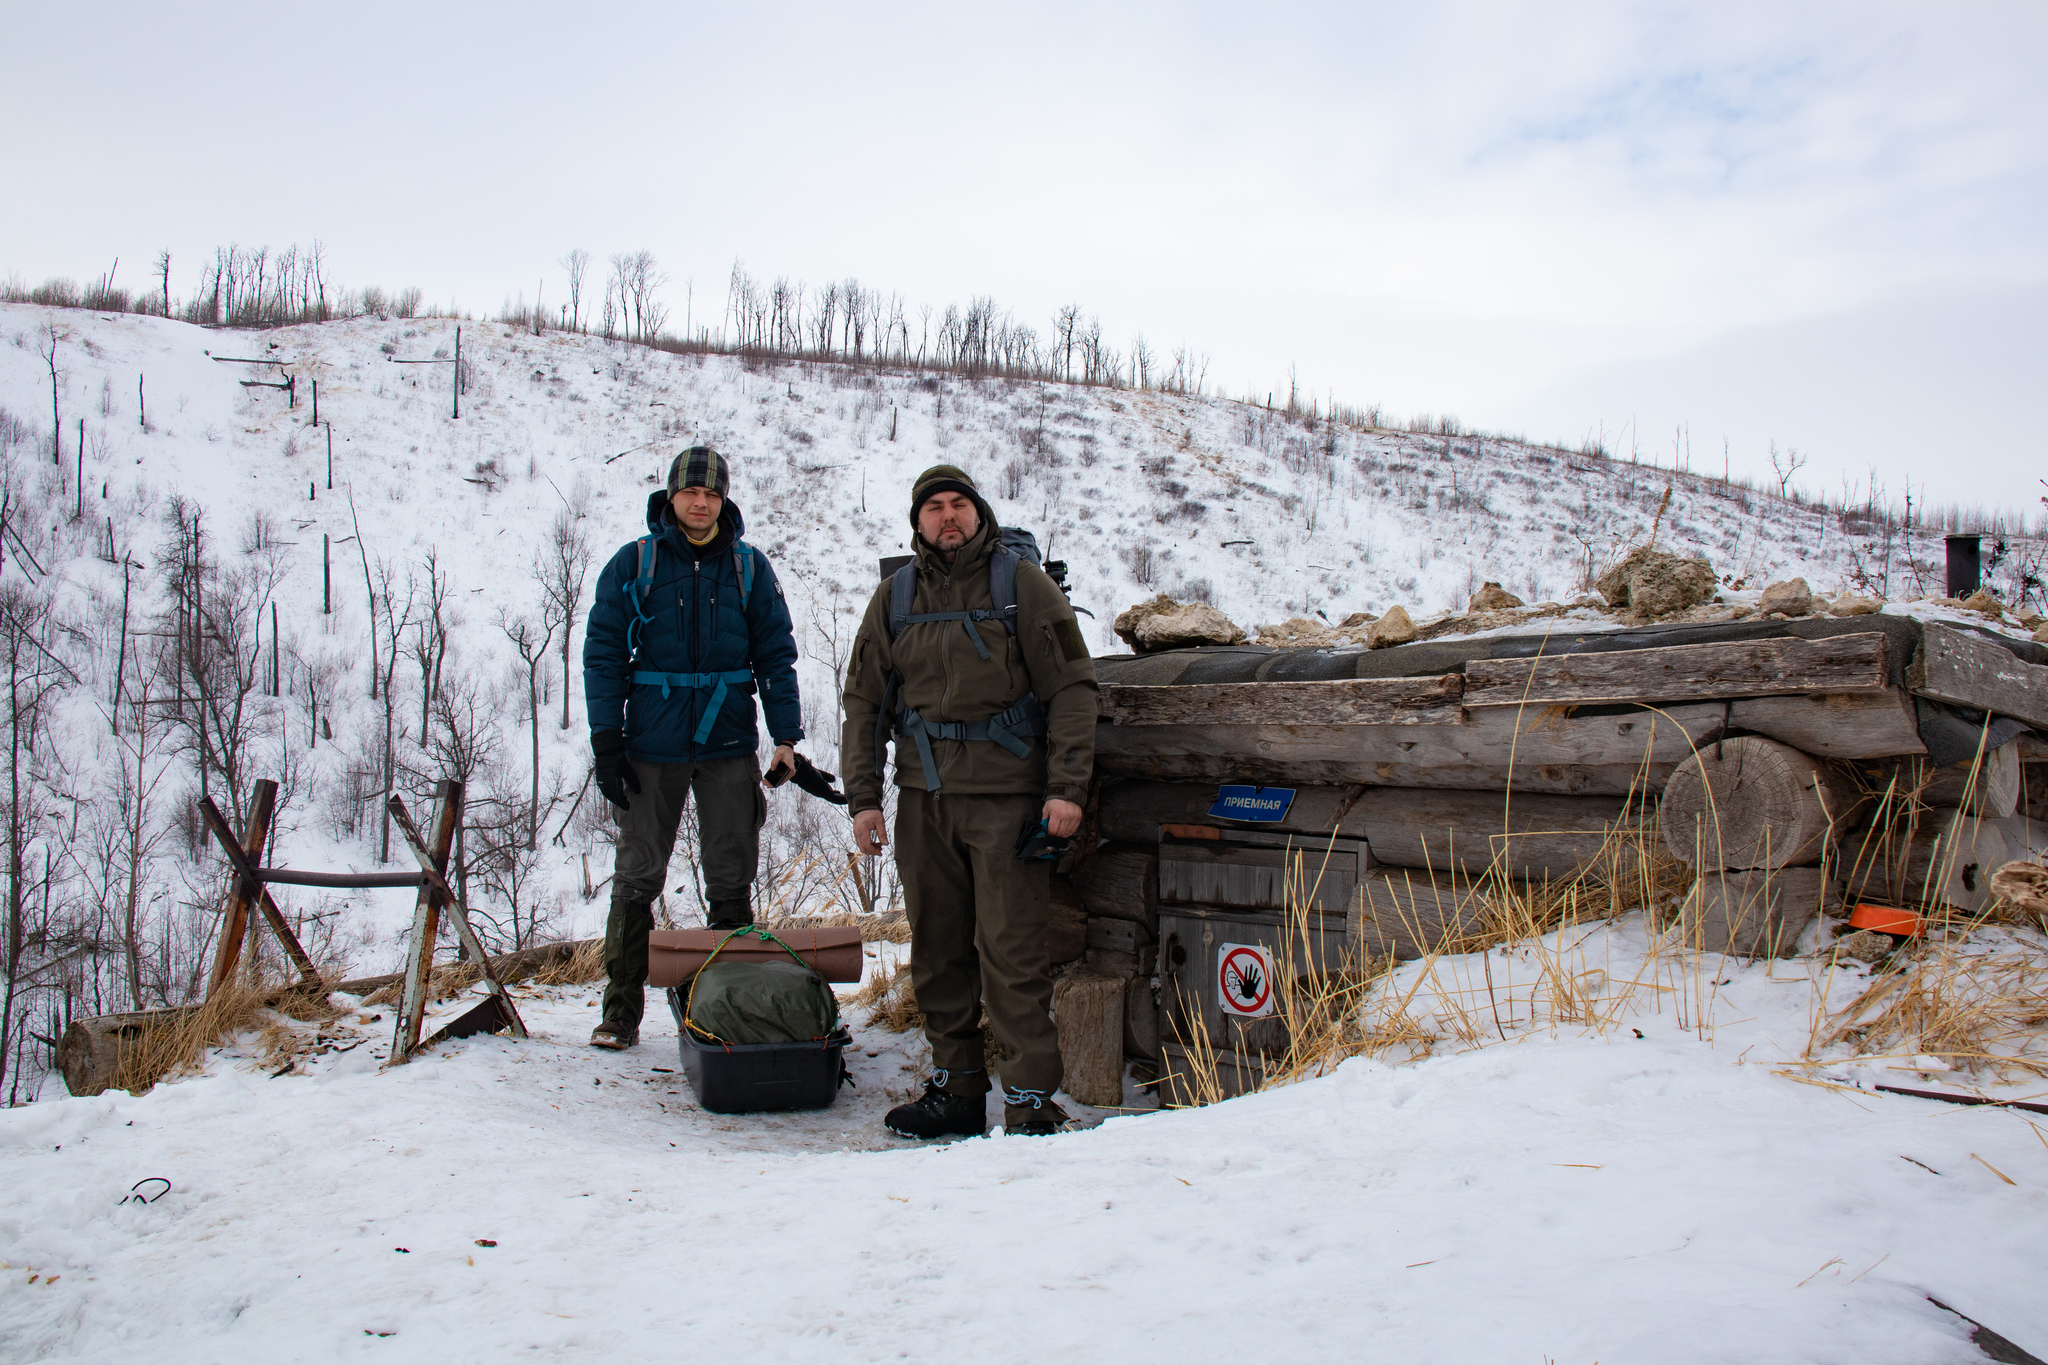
<point>1790,767</point>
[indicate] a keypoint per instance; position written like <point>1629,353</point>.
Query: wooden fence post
<point>426,923</point>
<point>255,834</point>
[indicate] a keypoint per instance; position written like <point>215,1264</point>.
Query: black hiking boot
<point>1031,1113</point>
<point>614,1037</point>
<point>940,1113</point>
<point>732,914</point>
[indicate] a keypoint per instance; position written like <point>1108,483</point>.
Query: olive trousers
<point>977,934</point>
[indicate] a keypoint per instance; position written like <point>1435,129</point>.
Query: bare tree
<point>33,674</point>
<point>561,566</point>
<point>429,644</point>
<point>576,262</point>
<point>531,639</point>
<point>1786,466</point>
<point>396,620</point>
<point>214,666</point>
<point>47,349</point>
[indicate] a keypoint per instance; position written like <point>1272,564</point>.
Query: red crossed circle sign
<point>1244,976</point>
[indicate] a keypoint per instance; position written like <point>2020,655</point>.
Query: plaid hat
<point>699,467</point>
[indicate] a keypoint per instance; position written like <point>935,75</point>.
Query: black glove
<point>808,777</point>
<point>615,776</point>
<point>817,781</point>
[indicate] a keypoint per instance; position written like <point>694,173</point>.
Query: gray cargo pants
<point>977,932</point>
<point>730,811</point>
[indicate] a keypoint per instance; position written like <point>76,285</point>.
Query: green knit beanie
<point>945,478</point>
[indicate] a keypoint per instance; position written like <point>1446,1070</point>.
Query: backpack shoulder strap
<point>902,587</point>
<point>636,589</point>
<point>743,564</point>
<point>645,578</point>
<point>1002,582</point>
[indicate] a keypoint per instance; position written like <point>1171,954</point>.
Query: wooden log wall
<point>1750,802</point>
<point>1739,748</point>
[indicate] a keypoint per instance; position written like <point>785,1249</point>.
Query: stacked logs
<point>1757,820</point>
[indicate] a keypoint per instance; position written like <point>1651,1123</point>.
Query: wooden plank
<point>426,924</point>
<point>1969,670</point>
<point>434,867</point>
<point>288,876</point>
<point>248,877</point>
<point>1119,882</point>
<point>1543,749</point>
<point>235,927</point>
<point>1882,724</point>
<point>1736,668</point>
<point>1340,701</point>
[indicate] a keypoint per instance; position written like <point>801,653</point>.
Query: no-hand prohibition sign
<point>1244,979</point>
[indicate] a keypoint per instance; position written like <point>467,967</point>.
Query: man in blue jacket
<point>688,624</point>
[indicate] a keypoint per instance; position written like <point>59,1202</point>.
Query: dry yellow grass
<point>889,1000</point>
<point>1973,993</point>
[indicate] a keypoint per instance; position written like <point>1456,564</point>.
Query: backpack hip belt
<point>1024,717</point>
<point>715,681</point>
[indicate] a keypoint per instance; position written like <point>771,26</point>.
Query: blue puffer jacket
<point>696,625</point>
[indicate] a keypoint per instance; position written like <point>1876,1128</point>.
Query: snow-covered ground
<point>1655,1191</point>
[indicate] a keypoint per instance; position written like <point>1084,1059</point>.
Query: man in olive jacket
<point>995,721</point>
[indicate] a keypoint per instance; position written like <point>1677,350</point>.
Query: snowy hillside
<point>1267,516</point>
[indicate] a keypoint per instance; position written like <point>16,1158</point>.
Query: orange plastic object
<point>674,955</point>
<point>1886,919</point>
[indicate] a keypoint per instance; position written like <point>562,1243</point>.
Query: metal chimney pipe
<point>1965,572</point>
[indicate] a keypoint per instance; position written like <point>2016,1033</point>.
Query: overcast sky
<point>1820,225</point>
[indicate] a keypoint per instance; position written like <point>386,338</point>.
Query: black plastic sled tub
<point>752,1078</point>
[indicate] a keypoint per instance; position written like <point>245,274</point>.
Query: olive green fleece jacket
<point>946,680</point>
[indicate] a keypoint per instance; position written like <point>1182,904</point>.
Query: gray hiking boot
<point>1031,1113</point>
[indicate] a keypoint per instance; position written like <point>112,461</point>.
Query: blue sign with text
<point>1252,803</point>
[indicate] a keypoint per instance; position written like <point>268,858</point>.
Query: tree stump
<point>1754,803</point>
<point>1759,913</point>
<point>91,1051</point>
<point>1089,1011</point>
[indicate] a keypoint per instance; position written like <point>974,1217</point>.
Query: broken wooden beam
<point>1735,668</point>
<point>1340,701</point>
<point>1964,668</point>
